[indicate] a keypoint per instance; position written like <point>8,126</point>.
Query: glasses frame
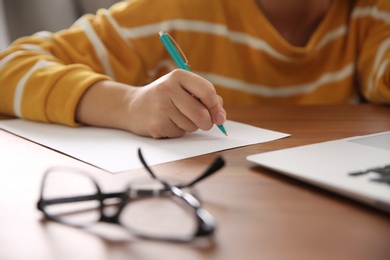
<point>205,224</point>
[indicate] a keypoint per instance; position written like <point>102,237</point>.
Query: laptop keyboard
<point>382,174</point>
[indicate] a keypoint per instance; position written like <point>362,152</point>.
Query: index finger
<point>205,92</point>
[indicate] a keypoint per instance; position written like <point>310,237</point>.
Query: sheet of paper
<point>116,150</point>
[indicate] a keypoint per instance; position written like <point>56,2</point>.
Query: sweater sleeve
<point>374,58</point>
<point>43,76</point>
<point>38,81</point>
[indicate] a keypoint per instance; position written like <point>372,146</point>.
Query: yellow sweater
<point>229,42</point>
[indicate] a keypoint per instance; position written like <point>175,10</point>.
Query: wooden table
<point>260,214</point>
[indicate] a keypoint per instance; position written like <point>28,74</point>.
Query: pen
<point>177,58</point>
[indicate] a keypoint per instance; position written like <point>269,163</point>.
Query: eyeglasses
<point>152,210</point>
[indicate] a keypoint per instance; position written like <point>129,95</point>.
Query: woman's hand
<point>177,103</point>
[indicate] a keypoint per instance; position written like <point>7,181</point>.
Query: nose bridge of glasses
<point>134,193</point>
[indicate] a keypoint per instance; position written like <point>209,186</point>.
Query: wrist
<point>104,104</point>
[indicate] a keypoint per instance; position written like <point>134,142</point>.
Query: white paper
<point>116,150</point>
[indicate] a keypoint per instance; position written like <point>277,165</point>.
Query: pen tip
<point>223,130</point>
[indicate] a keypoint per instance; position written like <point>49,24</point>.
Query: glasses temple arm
<point>218,163</point>
<point>154,176</point>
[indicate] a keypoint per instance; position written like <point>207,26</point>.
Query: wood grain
<point>260,214</point>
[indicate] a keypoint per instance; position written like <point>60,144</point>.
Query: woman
<point>244,52</point>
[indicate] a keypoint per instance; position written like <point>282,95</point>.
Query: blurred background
<point>25,17</point>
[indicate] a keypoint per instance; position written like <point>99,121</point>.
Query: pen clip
<point>181,53</point>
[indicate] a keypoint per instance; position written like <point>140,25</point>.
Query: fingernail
<point>220,118</point>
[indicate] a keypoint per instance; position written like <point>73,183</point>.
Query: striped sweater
<point>229,42</point>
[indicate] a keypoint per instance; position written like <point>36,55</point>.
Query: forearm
<point>104,104</point>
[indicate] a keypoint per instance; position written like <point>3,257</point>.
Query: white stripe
<point>373,12</point>
<point>333,35</point>
<point>22,84</point>
<point>383,68</point>
<point>258,44</point>
<point>178,24</point>
<point>378,67</point>
<point>357,13</point>
<point>382,50</point>
<point>204,27</point>
<point>33,47</point>
<point>116,26</point>
<point>25,47</point>
<point>282,91</point>
<point>44,34</point>
<point>168,64</point>
<point>97,44</point>
<point>7,59</point>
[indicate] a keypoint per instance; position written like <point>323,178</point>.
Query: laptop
<point>356,167</point>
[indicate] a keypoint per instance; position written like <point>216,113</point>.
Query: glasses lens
<point>70,197</point>
<point>159,217</point>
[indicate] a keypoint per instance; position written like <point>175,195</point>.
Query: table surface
<point>260,214</point>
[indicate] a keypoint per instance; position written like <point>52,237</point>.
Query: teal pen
<point>166,40</point>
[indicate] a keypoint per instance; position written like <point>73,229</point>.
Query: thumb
<point>218,114</point>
